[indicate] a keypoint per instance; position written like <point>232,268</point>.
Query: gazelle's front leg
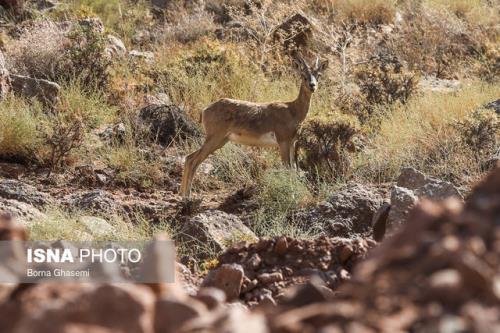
<point>293,154</point>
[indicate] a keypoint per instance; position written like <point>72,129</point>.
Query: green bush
<point>20,138</point>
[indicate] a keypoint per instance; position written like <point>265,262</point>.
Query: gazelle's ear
<point>323,66</point>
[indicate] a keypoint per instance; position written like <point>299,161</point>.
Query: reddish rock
<point>229,278</point>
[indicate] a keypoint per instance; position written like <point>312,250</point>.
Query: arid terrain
<point>388,223</point>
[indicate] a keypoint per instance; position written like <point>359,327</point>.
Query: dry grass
<point>422,134</point>
<point>19,132</point>
<point>38,51</point>
<point>365,11</point>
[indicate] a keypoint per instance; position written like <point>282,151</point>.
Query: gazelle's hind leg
<point>194,160</point>
<point>285,152</point>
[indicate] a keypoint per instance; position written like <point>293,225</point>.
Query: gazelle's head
<point>311,74</point>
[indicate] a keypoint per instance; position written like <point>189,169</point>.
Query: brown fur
<point>249,122</point>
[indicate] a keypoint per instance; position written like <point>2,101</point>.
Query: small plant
<point>87,57</point>
<point>326,146</point>
<point>480,131</point>
<point>384,81</point>
<point>20,138</point>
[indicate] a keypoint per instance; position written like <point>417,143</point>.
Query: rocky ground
<point>439,272</point>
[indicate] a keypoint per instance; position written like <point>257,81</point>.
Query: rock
<point>147,56</point>
<point>281,246</point>
<point>402,201</point>
<point>228,278</point>
<point>211,297</point>
<point>19,191</point>
<point>97,201</point>
<point>440,85</point>
<point>115,133</point>
<point>23,212</point>
<point>268,278</point>
<point>295,32</point>
<point>495,106</point>
<point>97,226</point>
<point>215,230</point>
<point>412,186</point>
<point>43,90</point>
<point>425,186</point>
<point>411,179</point>
<point>48,308</point>
<point>47,4</point>
<point>347,212</point>
<point>167,124</point>
<point>94,23</point>
<point>188,280</point>
<point>4,77</point>
<point>158,99</point>
<point>115,47</point>
<point>171,314</point>
<point>10,229</point>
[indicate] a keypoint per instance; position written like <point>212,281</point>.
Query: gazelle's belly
<point>265,140</point>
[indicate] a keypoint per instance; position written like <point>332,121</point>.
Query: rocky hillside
<point>379,228</point>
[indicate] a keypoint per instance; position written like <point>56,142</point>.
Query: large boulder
<point>348,212</point>
<point>22,211</point>
<point>167,123</point>
<point>96,201</point>
<point>22,192</point>
<point>215,231</point>
<point>412,186</point>
<point>43,90</point>
<point>50,307</point>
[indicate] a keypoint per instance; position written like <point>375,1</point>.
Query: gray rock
<point>158,99</point>
<point>215,230</point>
<point>97,226</point>
<point>115,47</point>
<point>22,211</point>
<point>347,212</point>
<point>96,201</point>
<point>167,123</point>
<point>425,186</point>
<point>495,106</point>
<point>402,201</point>
<point>116,133</point>
<point>43,90</point>
<point>413,185</point>
<point>19,191</point>
<point>147,56</point>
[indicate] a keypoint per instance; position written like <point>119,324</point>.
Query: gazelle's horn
<point>316,64</point>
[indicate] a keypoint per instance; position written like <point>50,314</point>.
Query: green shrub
<point>326,144</point>
<point>20,137</point>
<point>281,191</point>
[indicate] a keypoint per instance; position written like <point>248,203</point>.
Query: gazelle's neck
<point>302,103</point>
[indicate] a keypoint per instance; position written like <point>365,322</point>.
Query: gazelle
<point>255,124</point>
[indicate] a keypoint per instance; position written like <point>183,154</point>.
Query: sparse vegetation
<point>372,114</point>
